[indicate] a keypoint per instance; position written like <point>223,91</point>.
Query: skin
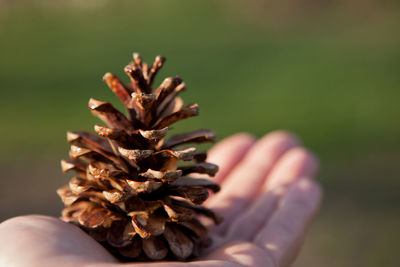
<point>268,200</point>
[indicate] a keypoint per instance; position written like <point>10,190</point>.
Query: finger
<point>245,180</point>
<point>295,163</point>
<point>228,153</point>
<point>48,241</point>
<point>284,233</point>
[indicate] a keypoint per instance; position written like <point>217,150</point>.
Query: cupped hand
<point>268,199</point>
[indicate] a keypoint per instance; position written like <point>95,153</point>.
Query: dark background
<point>328,71</point>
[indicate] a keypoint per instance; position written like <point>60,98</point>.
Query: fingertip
<point>305,195</point>
<point>244,135</point>
<point>275,143</point>
<point>282,135</point>
<point>308,188</point>
<point>242,139</point>
<point>309,159</point>
<point>229,152</point>
<point>296,152</point>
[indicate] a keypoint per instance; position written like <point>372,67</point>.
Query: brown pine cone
<point>129,192</point>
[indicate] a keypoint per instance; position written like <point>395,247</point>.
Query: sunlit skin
<point>268,199</point>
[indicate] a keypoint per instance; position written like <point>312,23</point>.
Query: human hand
<point>268,199</point>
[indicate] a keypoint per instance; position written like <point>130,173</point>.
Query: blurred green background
<point>328,71</point>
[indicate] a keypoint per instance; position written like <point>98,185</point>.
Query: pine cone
<point>129,193</point>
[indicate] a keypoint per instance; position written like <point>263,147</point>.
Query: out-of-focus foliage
<point>327,71</point>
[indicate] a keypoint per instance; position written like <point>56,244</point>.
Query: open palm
<point>268,198</point>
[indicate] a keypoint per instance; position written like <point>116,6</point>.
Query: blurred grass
<point>335,83</point>
<point>335,95</point>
